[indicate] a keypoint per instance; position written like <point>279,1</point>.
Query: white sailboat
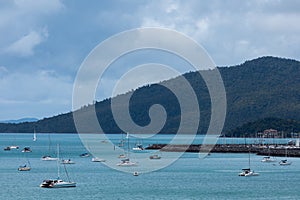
<point>34,136</point>
<point>58,183</point>
<point>48,157</point>
<point>268,158</point>
<point>285,161</point>
<point>25,167</point>
<point>248,171</point>
<point>126,161</point>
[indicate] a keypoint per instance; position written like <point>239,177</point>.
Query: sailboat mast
<point>249,161</point>
<point>66,172</point>
<point>49,142</point>
<point>127,136</point>
<point>58,172</point>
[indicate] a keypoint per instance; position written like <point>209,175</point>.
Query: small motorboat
<point>96,159</point>
<point>6,149</point>
<point>122,156</point>
<point>155,156</point>
<point>84,155</point>
<point>135,173</point>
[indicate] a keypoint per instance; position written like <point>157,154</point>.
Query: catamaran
<point>248,171</point>
<point>58,183</point>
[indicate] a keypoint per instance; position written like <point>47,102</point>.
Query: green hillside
<point>266,87</point>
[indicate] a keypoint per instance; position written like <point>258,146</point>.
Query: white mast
<point>58,174</point>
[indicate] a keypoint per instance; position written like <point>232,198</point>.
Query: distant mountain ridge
<point>27,119</point>
<point>261,88</point>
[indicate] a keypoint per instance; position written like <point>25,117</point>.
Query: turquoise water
<point>215,177</point>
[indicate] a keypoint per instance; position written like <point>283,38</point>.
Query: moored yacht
<point>24,168</point>
<point>155,156</point>
<point>57,183</point>
<point>248,172</point>
<point>48,158</point>
<point>268,159</point>
<point>285,162</point>
<point>126,163</point>
<point>67,161</point>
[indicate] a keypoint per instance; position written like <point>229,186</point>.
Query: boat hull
<point>57,184</point>
<point>24,169</point>
<point>49,159</point>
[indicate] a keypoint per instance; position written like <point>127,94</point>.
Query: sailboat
<point>285,161</point>
<point>126,161</point>
<point>122,141</point>
<point>48,157</point>
<point>248,171</point>
<point>268,158</point>
<point>58,183</point>
<point>34,136</point>
<point>25,167</point>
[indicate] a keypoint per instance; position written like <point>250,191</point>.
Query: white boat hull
<point>57,184</point>
<point>49,159</point>
<point>24,168</point>
<point>98,160</point>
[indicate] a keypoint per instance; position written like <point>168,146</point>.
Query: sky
<point>43,43</point>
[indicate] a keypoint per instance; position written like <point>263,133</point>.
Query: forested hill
<point>266,87</point>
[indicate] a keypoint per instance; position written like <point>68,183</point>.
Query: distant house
<point>270,133</point>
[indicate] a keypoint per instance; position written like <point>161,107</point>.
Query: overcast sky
<point>44,42</point>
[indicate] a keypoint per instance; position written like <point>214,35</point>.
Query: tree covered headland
<point>261,93</point>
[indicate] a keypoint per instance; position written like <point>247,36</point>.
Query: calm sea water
<point>215,177</point>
